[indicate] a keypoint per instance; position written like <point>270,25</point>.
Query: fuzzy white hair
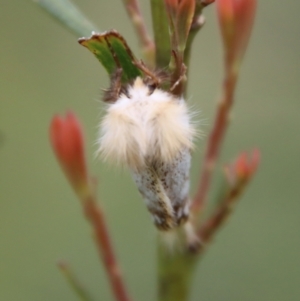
<point>150,131</point>
<point>143,126</point>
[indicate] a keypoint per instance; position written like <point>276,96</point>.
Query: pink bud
<point>246,165</point>
<point>67,141</point>
<point>243,168</point>
<point>236,19</point>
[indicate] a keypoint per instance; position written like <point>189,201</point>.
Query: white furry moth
<point>149,130</point>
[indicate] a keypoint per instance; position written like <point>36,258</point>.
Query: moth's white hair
<point>145,125</point>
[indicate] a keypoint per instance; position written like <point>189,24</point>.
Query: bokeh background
<point>44,71</point>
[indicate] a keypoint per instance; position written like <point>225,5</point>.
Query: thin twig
<point>75,284</point>
<point>96,217</point>
<point>66,136</point>
<point>197,24</point>
<point>223,211</point>
<point>134,12</point>
<point>215,140</point>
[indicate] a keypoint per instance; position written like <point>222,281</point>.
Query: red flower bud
<point>236,21</point>
<point>67,141</point>
<point>243,167</point>
<point>246,165</point>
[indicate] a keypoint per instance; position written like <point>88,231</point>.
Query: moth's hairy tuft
<point>145,125</point>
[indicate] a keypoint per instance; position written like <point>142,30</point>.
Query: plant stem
<point>161,34</point>
<point>68,15</point>
<point>222,212</point>
<point>215,140</point>
<point>75,284</point>
<point>175,267</point>
<point>147,45</point>
<point>175,271</point>
<point>96,217</point>
<point>197,24</point>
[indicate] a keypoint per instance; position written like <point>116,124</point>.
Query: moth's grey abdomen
<point>165,187</point>
<point>175,180</point>
<point>155,197</point>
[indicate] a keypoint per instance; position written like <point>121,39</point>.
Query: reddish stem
<point>215,141</point>
<point>96,217</point>
<point>134,12</point>
<point>210,227</point>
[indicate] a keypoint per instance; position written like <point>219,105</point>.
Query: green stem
<point>175,271</point>
<point>68,15</point>
<point>175,267</point>
<point>161,33</point>
<point>196,26</point>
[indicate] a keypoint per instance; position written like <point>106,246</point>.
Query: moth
<point>149,130</point>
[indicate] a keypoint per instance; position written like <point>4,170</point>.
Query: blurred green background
<point>44,71</point>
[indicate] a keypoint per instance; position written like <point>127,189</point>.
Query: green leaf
<point>68,15</point>
<point>112,51</point>
<point>161,33</point>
